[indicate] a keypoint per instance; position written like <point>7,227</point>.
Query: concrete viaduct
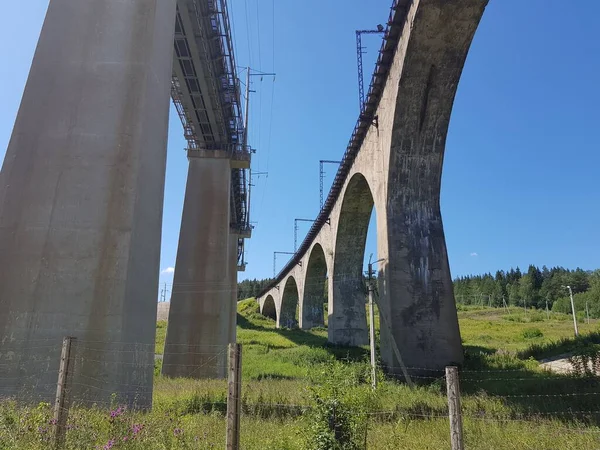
<point>394,164</point>
<point>81,199</point>
<point>81,195</point>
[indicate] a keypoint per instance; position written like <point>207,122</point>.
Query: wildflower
<point>117,412</point>
<point>136,428</point>
<point>177,431</point>
<point>109,445</point>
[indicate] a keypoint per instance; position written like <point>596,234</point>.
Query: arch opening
<point>288,316</point>
<point>268,309</point>
<point>315,290</point>
<point>347,312</point>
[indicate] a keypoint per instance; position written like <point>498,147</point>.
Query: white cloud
<point>168,270</point>
<point>474,254</point>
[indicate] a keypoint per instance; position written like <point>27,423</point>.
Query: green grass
<point>161,335</point>
<point>494,328</point>
<point>505,394</point>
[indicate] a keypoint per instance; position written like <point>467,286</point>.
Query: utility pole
<point>371,289</point>
<point>275,260</point>
<point>296,231</point>
<point>322,176</point>
<point>163,293</point>
<point>359,53</point>
<point>573,310</point>
<point>547,310</point>
<point>587,312</point>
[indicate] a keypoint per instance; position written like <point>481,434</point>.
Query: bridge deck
<point>206,94</point>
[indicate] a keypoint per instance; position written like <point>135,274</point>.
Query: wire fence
<point>73,383</point>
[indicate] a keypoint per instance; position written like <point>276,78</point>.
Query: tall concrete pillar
<point>418,300</point>
<point>200,314</point>
<point>81,194</point>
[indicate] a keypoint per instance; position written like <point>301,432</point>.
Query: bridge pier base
<point>199,318</point>
<point>416,294</point>
<point>81,195</point>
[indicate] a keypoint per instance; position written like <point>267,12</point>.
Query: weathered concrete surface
<point>200,314</point>
<point>417,285</point>
<point>81,194</point>
<point>398,171</point>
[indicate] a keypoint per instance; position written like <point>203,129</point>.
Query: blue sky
<point>520,182</point>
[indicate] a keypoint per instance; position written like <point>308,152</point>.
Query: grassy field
<point>291,377</point>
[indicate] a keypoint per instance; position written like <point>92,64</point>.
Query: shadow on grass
<point>302,337</point>
<point>561,346</point>
<point>528,391</point>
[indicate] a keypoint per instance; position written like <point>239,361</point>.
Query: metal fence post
<point>61,411</point>
<point>234,396</point>
<point>454,412</point>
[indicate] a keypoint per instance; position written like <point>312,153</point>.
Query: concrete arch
<point>347,320</point>
<point>268,308</point>
<point>311,309</point>
<point>289,304</point>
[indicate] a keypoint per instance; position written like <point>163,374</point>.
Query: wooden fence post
<point>453,389</point>
<point>61,406</point>
<point>234,396</point>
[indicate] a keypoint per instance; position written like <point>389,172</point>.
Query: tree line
<point>536,288</point>
<point>251,288</point>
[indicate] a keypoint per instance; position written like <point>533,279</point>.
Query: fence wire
<point>110,388</point>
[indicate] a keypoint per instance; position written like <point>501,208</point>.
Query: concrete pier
<point>201,302</point>
<point>81,194</point>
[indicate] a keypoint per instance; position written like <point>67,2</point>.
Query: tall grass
<point>508,401</point>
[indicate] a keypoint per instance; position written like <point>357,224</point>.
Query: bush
<point>532,333</point>
<point>338,417</point>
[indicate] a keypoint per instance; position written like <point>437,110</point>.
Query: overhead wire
<point>249,41</point>
<point>258,32</point>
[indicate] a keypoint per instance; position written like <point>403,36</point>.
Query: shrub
<point>532,333</point>
<point>337,420</point>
